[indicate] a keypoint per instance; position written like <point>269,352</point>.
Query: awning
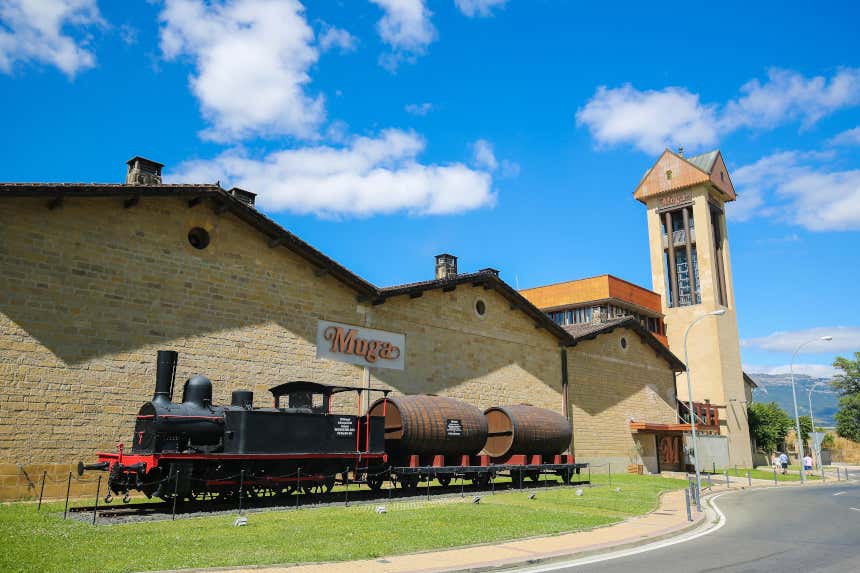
<point>654,427</point>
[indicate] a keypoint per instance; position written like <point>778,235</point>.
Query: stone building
<point>97,277</point>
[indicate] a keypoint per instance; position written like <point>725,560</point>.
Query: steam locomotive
<point>197,450</point>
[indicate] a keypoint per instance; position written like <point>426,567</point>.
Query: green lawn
<point>42,541</point>
<point>765,474</point>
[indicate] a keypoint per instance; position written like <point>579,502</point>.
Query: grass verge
<point>768,475</point>
<point>44,542</point>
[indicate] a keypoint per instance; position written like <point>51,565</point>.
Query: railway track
<point>160,510</point>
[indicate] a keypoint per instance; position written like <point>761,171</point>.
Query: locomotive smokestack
<point>165,375</point>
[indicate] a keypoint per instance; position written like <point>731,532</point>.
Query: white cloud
<point>484,156</point>
<point>650,120</point>
<point>654,119</point>
<point>787,96</point>
<point>813,370</point>
<point>847,137</point>
<point>797,187</point>
<point>845,339</point>
<point>368,176</point>
<point>406,27</point>
<point>480,8</point>
<point>252,59</point>
<point>32,30</point>
<point>339,38</point>
<point>419,109</point>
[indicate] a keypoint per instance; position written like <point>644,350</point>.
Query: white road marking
<point>854,508</point>
<point>839,493</point>
<point>635,551</point>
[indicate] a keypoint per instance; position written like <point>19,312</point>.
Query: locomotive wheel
<point>444,480</point>
<point>375,482</point>
<point>319,487</point>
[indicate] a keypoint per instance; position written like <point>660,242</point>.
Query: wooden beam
<point>378,301</point>
<point>321,271</point>
<point>449,288</point>
<point>195,201</point>
<point>275,242</point>
<point>56,202</point>
<point>417,294</point>
<point>131,201</point>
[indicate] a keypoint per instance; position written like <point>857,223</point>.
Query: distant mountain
<point>777,388</point>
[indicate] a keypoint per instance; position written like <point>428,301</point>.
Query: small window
<point>669,174</point>
<point>623,343</point>
<point>722,176</point>
<point>198,237</point>
<point>480,308</point>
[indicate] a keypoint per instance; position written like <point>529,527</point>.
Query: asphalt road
<point>774,530</point>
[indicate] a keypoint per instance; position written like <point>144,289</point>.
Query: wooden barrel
<point>438,425</point>
<point>523,429</point>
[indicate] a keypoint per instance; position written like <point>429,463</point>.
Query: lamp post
<point>815,450</point>
<point>794,397</point>
<point>720,312</point>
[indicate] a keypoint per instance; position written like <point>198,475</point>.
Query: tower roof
<point>672,172</point>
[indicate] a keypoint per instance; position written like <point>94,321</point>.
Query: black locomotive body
<point>196,449</point>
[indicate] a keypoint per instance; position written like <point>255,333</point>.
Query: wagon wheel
<point>565,476</point>
<point>409,482</point>
<point>444,480</point>
<point>481,479</point>
<point>533,475</point>
<point>375,482</point>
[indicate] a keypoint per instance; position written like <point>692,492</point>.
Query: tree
<point>848,417</point>
<point>805,427</point>
<point>848,382</point>
<point>769,425</point>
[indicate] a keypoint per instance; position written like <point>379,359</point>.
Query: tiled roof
<point>277,235</point>
<point>705,161</point>
<point>581,332</point>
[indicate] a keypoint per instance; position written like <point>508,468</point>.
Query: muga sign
<point>359,345</point>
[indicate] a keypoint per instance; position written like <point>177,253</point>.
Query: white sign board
<point>817,438</point>
<point>360,345</point>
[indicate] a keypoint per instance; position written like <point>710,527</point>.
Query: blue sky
<point>510,133</point>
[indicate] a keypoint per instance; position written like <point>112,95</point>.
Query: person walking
<point>807,462</point>
<point>783,461</point>
<point>774,462</point>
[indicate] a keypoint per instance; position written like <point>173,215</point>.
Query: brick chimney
<point>446,266</point>
<point>143,171</point>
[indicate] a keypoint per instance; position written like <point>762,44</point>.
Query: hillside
<point>777,388</point>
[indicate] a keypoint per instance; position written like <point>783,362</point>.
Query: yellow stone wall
<point>609,387</point>
<point>714,343</point>
<point>89,292</point>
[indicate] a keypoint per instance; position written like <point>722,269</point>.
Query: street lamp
<point>816,451</point>
<point>720,312</point>
<point>794,396</point>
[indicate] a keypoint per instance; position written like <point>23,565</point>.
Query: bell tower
<point>691,270</point>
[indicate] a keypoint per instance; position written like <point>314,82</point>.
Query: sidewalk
<point>668,520</point>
